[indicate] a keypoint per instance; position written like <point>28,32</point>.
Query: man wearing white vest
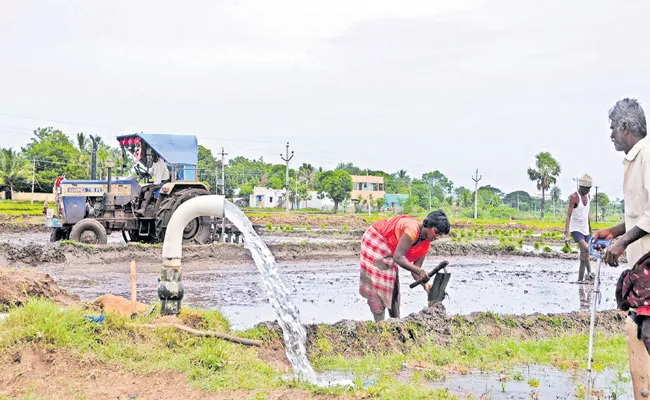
<point>578,225</point>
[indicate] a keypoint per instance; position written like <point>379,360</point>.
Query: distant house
<point>267,198</point>
<point>363,186</point>
<point>395,202</point>
<point>324,204</point>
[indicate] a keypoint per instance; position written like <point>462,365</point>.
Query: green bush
<point>537,245</point>
<point>269,226</point>
<point>547,249</point>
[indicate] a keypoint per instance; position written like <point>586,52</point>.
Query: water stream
<point>293,332</point>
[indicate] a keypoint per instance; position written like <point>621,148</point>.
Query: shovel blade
<point>438,287</point>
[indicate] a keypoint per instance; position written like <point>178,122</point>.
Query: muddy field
<point>323,275</point>
<point>328,291</point>
<point>323,278</point>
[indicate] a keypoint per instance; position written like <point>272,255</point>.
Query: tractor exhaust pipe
<point>170,287</point>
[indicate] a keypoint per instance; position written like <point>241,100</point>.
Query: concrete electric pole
<point>286,183</point>
<point>476,179</point>
<point>223,190</point>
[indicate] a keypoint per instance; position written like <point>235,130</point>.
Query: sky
<point>453,86</point>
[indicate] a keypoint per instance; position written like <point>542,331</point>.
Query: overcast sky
<point>420,86</point>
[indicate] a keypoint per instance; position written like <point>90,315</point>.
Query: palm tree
<point>13,167</point>
<point>83,143</point>
<point>555,196</point>
<point>308,174</point>
<point>545,174</point>
<point>464,196</point>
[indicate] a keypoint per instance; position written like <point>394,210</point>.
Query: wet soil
<point>325,287</point>
<point>19,285</point>
<point>552,384</point>
<point>311,220</point>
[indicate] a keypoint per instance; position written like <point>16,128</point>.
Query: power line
<point>60,122</point>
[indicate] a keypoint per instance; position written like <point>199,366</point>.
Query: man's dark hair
<point>628,115</point>
<point>437,219</point>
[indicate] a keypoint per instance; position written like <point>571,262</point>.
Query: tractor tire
<point>197,231</point>
<point>56,235</point>
<point>89,231</point>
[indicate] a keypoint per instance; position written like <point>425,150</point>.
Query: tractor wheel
<point>197,231</point>
<point>88,231</point>
<point>56,235</point>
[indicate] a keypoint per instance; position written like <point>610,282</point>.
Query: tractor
<point>89,211</point>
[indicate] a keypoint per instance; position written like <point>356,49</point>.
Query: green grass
<point>208,363</point>
<point>486,354</point>
<point>8,207</point>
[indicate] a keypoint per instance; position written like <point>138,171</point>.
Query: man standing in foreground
<point>628,125</point>
<point>578,225</point>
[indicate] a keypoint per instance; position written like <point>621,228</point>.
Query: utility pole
<point>223,191</point>
<point>596,203</point>
<point>33,177</point>
<point>286,184</point>
<point>476,180</point>
<point>368,179</point>
<point>296,202</point>
<point>93,158</point>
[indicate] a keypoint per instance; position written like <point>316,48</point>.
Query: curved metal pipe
<point>170,287</point>
<point>172,248</point>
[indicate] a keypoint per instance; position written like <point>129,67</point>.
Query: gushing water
<point>293,332</point>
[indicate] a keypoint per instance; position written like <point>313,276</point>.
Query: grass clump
<point>209,363</point>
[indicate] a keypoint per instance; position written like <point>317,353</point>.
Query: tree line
<point>51,153</point>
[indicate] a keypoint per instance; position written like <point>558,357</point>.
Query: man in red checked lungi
<point>400,241</point>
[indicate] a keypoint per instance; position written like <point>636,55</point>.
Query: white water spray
<point>293,331</point>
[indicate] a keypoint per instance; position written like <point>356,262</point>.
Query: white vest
<point>580,217</point>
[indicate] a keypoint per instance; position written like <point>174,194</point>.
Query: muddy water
<point>523,382</point>
<point>328,291</point>
<point>551,384</point>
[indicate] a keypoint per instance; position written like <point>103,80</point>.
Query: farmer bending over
<point>578,225</point>
<point>400,241</point>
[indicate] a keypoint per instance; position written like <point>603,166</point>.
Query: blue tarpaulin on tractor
<point>175,149</point>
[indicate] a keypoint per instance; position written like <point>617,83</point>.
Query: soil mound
<point>117,304</point>
<point>19,286</point>
<point>33,254</point>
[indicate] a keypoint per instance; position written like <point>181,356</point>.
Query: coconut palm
<point>545,174</point>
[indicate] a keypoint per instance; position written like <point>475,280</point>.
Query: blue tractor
<point>90,210</point>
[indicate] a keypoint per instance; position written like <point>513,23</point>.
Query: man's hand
<point>614,252</point>
<point>604,234</point>
<point>427,287</point>
<point>567,240</point>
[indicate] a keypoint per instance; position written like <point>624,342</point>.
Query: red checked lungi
<point>379,282</point>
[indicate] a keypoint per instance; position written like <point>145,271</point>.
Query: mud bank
<point>356,338</point>
<point>66,252</point>
<point>22,224</point>
<point>19,286</point>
